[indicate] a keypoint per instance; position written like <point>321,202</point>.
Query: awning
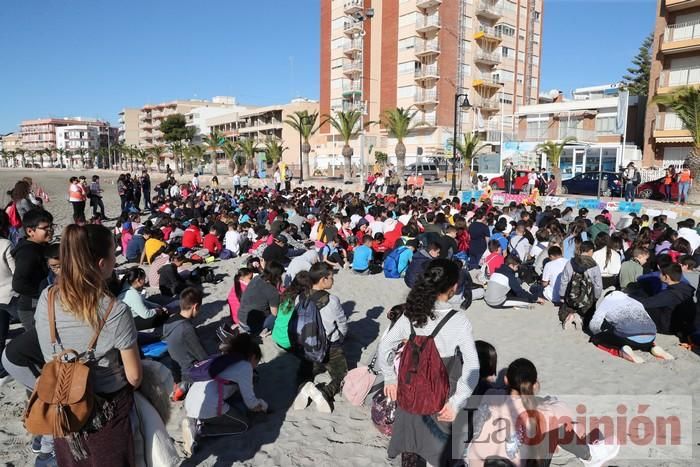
<point>669,140</point>
<point>577,113</point>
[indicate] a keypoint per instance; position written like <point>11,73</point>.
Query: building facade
<point>418,54</point>
<point>675,63</point>
<point>78,137</point>
<point>129,127</point>
<point>41,134</point>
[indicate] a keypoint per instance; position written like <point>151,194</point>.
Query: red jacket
<point>212,243</point>
<point>192,238</point>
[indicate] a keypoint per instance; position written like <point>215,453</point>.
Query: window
<point>521,56</point>
<point>507,52</point>
<point>537,128</point>
<point>337,43</point>
<point>605,124</point>
<point>406,67</point>
<point>337,63</point>
<point>406,92</point>
<point>407,43</point>
<point>536,15</point>
<point>505,29</point>
<point>337,23</point>
<point>507,99</point>
<point>337,83</point>
<point>408,19</point>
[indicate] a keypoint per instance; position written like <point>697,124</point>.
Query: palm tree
<point>49,153</point>
<point>553,151</point>
<point>61,153</point>
<point>398,124</point>
<point>102,157</point>
<point>157,152</point>
<point>274,149</point>
<point>22,153</point>
<point>305,124</point>
<point>214,144</point>
<point>248,147</point>
<point>685,103</point>
<point>194,155</point>
<point>348,125</point>
<point>230,149</point>
<point>470,147</point>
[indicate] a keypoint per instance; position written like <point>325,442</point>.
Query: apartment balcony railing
<point>352,27</point>
<point>426,72</point>
<point>425,119</point>
<point>430,47</point>
<point>681,37</point>
<point>488,58</point>
<point>352,87</point>
<point>427,3</point>
<point>488,103</point>
<point>578,133</point>
<point>426,96</point>
<point>488,33</point>
<point>490,10</point>
<point>352,46</point>
<point>353,6</point>
<point>678,77</point>
<point>427,23</point>
<point>485,81</point>
<point>351,105</point>
<point>351,67</point>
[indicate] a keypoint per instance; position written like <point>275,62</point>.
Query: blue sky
<point>91,58</point>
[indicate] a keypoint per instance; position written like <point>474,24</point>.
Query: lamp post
<point>303,120</point>
<point>465,105</point>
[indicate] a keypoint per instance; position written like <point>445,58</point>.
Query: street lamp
<point>303,120</point>
<point>464,105</point>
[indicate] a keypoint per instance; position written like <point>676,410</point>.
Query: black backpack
<point>579,295</point>
<point>307,334</point>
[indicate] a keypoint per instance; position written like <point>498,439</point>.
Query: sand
<point>566,362</point>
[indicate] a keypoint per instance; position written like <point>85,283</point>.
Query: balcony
<point>677,5</point>
<point>427,72</point>
<point>351,28</point>
<point>352,67</point>
<point>485,82</point>
<point>351,105</point>
<point>426,97</point>
<point>425,24</point>
<point>579,133</point>
<point>353,6</point>
<point>669,129</point>
<point>425,120</point>
<point>352,88</point>
<point>681,38</point>
<point>488,103</point>
<point>352,46</point>
<point>488,34</point>
<point>487,58</point>
<point>489,10</point>
<point>425,4</point>
<point>424,48</point>
<point>672,79</point>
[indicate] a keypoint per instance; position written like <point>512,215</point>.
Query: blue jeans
<point>683,188</point>
<point>629,191</point>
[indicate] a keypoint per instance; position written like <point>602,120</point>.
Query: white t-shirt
<point>236,180</point>
<point>531,178</point>
<point>277,177</point>
<point>232,241</point>
<point>538,248</point>
<point>552,274</point>
<point>195,182</point>
<point>376,227</point>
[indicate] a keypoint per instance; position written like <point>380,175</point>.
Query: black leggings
<point>608,338</point>
<point>78,209</point>
<point>154,321</point>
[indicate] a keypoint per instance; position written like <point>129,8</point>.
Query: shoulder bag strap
<point>103,321</point>
<point>442,323</point>
<point>51,298</point>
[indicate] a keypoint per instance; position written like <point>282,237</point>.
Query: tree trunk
<point>347,164</point>
<point>556,171</point>
<point>694,166</point>
<point>400,151</point>
<point>214,164</point>
<point>305,150</point>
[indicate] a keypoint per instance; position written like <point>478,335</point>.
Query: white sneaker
<point>322,404</point>
<point>660,353</point>
<point>302,399</point>
<point>601,452</point>
<point>189,435</point>
<point>627,353</point>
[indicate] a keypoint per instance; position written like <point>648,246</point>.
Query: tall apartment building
<point>675,63</point>
<point>41,133</point>
<point>129,127</point>
<point>376,55</point>
<point>152,115</point>
<point>75,137</point>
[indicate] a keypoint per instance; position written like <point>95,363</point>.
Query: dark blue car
<point>593,184</point>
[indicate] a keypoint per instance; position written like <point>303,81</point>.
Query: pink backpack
<point>358,383</point>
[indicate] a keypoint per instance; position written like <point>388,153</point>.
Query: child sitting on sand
<point>240,282</point>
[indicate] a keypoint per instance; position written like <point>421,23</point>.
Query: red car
<point>656,190</point>
<point>499,183</point>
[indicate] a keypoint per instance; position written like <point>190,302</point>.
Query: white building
<point>75,137</point>
<point>197,118</point>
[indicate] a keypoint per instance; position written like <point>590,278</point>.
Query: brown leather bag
<point>62,401</point>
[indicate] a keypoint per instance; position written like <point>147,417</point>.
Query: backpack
<point>280,331</point>
<point>579,293</point>
<point>63,400</point>
<point>13,214</point>
<point>423,382</point>
<point>307,334</point>
<point>391,263</point>
<point>210,368</point>
<point>513,250</point>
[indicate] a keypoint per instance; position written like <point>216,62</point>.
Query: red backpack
<point>423,382</point>
<point>13,214</point>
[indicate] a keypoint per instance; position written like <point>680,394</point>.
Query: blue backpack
<point>391,263</point>
<point>209,368</point>
<point>307,334</point>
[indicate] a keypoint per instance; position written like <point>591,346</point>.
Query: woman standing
<point>76,196</point>
<point>425,438</point>
<point>81,302</point>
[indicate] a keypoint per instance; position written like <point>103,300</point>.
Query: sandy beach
<point>566,362</point>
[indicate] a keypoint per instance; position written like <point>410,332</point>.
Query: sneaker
<point>36,444</point>
<point>302,399</point>
<point>319,399</point>
<point>627,353</point>
<point>189,435</point>
<point>661,354</point>
<point>601,452</point>
<point>178,393</point>
<point>46,460</point>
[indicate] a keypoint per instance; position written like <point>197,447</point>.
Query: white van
<point>429,170</point>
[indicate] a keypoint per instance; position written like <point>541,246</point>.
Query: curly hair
<point>439,277</point>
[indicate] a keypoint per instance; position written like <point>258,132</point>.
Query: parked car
<point>428,170</point>
<point>589,183</point>
<point>656,190</point>
<point>499,183</point>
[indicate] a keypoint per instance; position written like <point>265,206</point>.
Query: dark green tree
<point>636,81</point>
<point>174,128</point>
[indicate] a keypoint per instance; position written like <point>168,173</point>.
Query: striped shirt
<point>456,334</point>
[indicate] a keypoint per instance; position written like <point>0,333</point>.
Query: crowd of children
<point>621,283</point>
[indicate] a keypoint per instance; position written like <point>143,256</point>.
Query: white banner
<point>622,106</point>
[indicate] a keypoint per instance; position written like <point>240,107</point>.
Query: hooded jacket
<point>585,265</point>
<point>30,270</point>
<point>183,344</point>
<point>503,282</point>
<point>416,267</point>
<point>673,310</point>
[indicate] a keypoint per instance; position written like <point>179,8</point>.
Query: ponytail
<point>522,377</point>
<point>242,272</point>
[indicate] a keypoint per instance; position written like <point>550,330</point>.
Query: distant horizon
<point>230,54</point>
